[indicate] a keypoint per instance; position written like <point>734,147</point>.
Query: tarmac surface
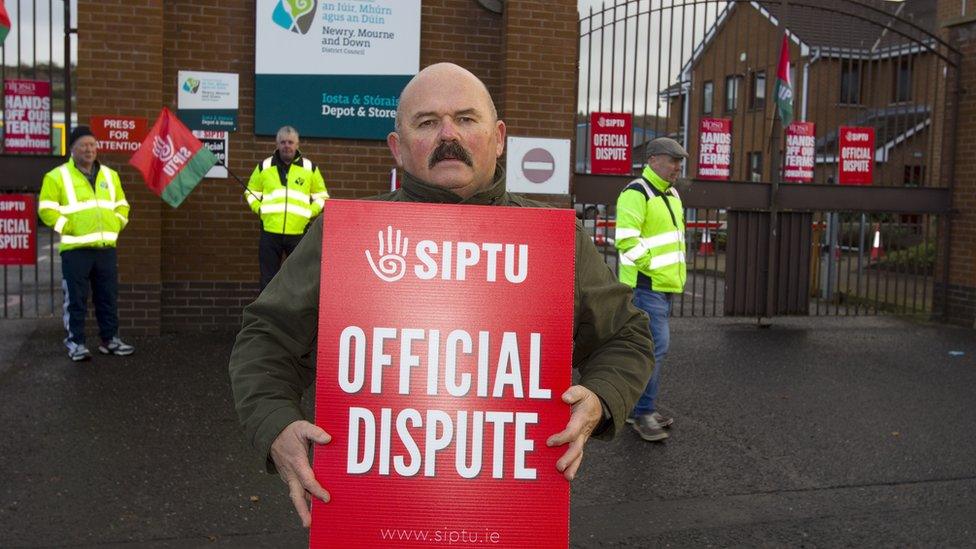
<point>815,432</point>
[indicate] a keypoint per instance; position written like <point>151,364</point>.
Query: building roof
<point>843,24</point>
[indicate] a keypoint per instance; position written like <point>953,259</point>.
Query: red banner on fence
<point>610,142</point>
<point>445,343</point>
<point>715,148</point>
<point>27,116</point>
<point>855,164</point>
<point>801,144</point>
<point>18,230</point>
<point>119,134</point>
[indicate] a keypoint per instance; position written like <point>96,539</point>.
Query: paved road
<point>814,432</point>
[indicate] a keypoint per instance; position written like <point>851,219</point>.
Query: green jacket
<point>650,235</point>
<point>286,207</point>
<point>85,216</point>
<point>272,361</point>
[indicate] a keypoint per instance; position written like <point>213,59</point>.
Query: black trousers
<point>272,250</point>
<point>95,269</point>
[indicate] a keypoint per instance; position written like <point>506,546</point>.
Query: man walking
<point>650,239</point>
<point>83,201</point>
<point>287,191</point>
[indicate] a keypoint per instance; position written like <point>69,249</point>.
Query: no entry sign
<point>537,165</point>
<point>445,342</point>
<point>856,163</point>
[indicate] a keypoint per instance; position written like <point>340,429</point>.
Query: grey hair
<point>286,130</point>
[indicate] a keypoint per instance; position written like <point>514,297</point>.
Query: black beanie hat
<point>78,133</point>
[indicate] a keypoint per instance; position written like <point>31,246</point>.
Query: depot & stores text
<point>486,365</point>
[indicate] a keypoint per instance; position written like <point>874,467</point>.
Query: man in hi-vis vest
<point>650,240</point>
<point>287,191</point>
<point>83,200</point>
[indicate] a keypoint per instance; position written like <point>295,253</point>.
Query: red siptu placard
<point>444,345</point>
<point>715,148</point>
<point>18,230</point>
<point>855,163</point>
<point>610,146</point>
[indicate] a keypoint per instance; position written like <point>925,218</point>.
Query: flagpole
<point>238,179</point>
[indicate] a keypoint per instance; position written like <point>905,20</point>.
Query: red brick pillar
<point>959,296</point>
<point>539,75</point>
<point>120,68</point>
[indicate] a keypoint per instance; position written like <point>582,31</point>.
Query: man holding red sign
<point>447,142</point>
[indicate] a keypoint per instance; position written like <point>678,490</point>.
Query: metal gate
<point>757,245</point>
<point>38,48</point>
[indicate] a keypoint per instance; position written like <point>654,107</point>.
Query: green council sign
<point>333,68</point>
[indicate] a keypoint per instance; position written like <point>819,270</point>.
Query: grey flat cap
<point>668,146</point>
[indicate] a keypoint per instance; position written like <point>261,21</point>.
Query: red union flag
<point>715,148</point>
<point>610,142</point>
<point>445,343</point>
<point>855,164</point>
<point>172,161</point>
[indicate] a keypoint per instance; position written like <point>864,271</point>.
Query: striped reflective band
<point>48,205</point>
<point>663,239</point>
<point>292,208</point>
<point>89,204</point>
<point>89,238</point>
<point>292,194</point>
<point>664,260</point>
<point>623,233</point>
<point>59,225</point>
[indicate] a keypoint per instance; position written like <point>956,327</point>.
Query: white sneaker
<point>78,353</point>
<point>116,346</point>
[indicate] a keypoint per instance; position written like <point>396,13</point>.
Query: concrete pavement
<point>814,432</point>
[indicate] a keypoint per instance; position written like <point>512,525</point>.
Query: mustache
<point>449,150</point>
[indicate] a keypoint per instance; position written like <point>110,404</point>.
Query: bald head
<point>438,73</point>
<point>447,130</point>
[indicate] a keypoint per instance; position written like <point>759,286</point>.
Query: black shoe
<point>648,428</point>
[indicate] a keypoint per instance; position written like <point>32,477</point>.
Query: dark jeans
<point>272,250</point>
<point>97,269</point>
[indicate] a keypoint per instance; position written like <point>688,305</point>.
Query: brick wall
<point>960,293</point>
<point>194,268</point>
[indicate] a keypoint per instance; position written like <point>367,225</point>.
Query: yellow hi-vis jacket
<point>286,207</point>
<point>84,216</point>
<point>650,235</point>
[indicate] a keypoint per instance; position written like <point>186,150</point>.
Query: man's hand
<point>585,414</point>
<point>290,454</point>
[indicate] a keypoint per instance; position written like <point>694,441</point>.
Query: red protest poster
<point>856,163</point>
<point>27,116</point>
<point>801,143</point>
<point>445,343</point>
<point>122,134</point>
<point>715,148</point>
<point>18,230</point>
<point>610,142</point>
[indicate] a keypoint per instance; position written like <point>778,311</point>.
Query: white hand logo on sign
<point>392,264</point>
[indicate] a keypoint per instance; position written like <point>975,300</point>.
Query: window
<point>903,80</point>
<point>850,82</point>
<point>708,96</point>
<point>755,167</point>
<point>757,99</point>
<point>731,92</point>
